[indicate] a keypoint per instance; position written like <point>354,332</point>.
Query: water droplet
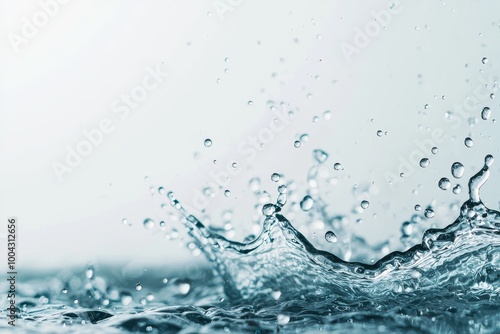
<point>484,60</point>
<point>227,193</point>
<point>282,319</point>
<point>424,162</point>
<point>429,213</point>
<point>320,156</point>
<point>380,133</point>
<point>221,300</point>
<point>64,291</point>
<point>297,143</point>
<point>282,189</point>
<point>275,177</point>
<point>164,280</point>
<point>138,287</point>
<point>89,272</point>
<point>492,96</point>
<point>184,288</point>
<point>207,142</point>
<point>319,37</point>
<point>307,203</point>
<point>468,142</point>
<point>161,191</point>
<point>457,170</point>
<point>304,138</point>
<point>427,106</point>
<point>124,221</point>
<point>486,113</point>
<point>148,223</point>
<point>125,298</point>
<point>250,102</point>
<point>365,204</point>
<point>418,207</point>
<point>457,189</point>
<point>162,223</point>
<point>337,166</point>
<point>268,209</point>
<point>330,237</point>
<point>444,183</point>
<point>276,294</point>
<point>234,164</point>
<point>315,119</point>
<point>254,184</point>
<point>434,150</point>
<point>327,115</point>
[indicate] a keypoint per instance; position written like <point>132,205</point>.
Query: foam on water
<point>447,282</point>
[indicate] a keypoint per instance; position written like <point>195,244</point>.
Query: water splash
<point>444,258</point>
<point>447,281</point>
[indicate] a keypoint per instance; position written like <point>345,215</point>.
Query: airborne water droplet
<point>307,203</point>
<point>207,142</point>
<point>424,162</point>
<point>457,189</point>
<point>320,156</point>
<point>148,223</point>
<point>379,133</point>
<point>444,183</point>
<point>304,138</point>
<point>184,288</point>
<point>297,143</point>
<point>124,221</point>
<point>268,209</point>
<point>365,204</point>
<point>138,287</point>
<point>89,272</point>
<point>330,237</point>
<point>486,113</point>
<point>282,189</point>
<point>434,150</point>
<point>457,170</point>
<point>418,207</point>
<point>254,184</point>
<point>275,177</point>
<point>283,319</point>
<point>484,60</point>
<point>468,142</point>
<point>337,166</point>
<point>227,193</point>
<point>429,213</point>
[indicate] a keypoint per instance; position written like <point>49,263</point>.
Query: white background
<point>64,79</point>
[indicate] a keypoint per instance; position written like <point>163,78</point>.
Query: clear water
<point>448,281</point>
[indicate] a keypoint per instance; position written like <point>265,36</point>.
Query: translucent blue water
<point>448,282</point>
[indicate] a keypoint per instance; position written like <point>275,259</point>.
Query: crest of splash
<point>461,260</point>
